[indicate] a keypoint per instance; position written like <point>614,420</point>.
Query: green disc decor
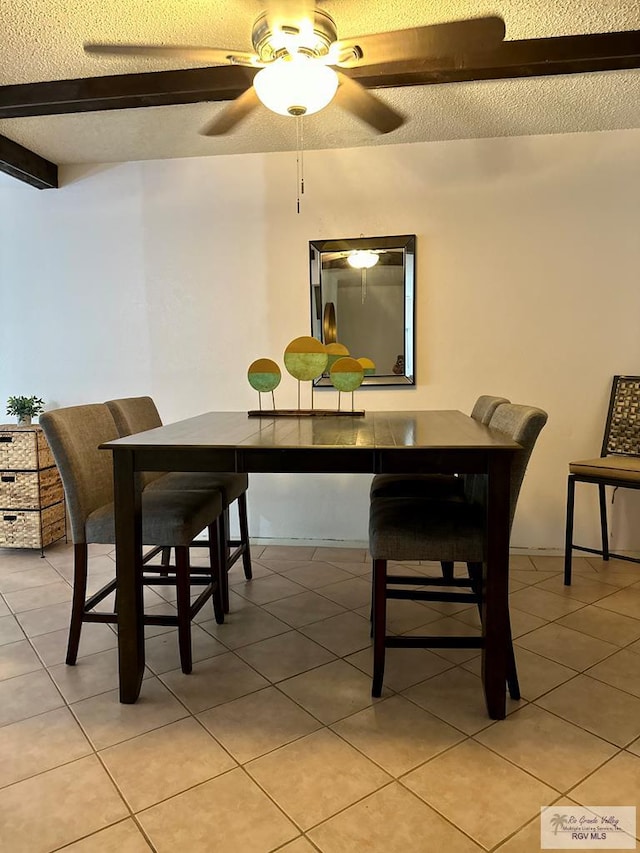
<point>264,374</point>
<point>305,358</point>
<point>335,351</point>
<point>368,366</point>
<point>347,374</point>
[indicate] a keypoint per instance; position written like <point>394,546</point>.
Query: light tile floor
<point>274,742</point>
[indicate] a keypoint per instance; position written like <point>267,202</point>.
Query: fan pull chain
<point>301,156</point>
<point>299,159</point>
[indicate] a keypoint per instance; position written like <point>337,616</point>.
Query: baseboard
<point>343,543</point>
<point>311,543</point>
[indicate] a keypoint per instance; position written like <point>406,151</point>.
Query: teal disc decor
<point>368,366</point>
<point>264,375</point>
<point>305,358</point>
<point>335,351</point>
<point>347,374</point>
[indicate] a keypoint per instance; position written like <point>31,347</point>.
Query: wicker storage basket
<point>32,508</point>
<point>32,528</point>
<point>30,489</point>
<point>24,448</point>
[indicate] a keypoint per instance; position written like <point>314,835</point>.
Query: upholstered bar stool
<point>435,486</point>
<point>169,519</point>
<point>138,414</point>
<point>618,466</point>
<point>408,529</point>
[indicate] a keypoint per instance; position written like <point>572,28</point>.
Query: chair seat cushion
<point>410,529</point>
<point>168,518</point>
<point>431,486</point>
<point>230,485</point>
<point>618,468</point>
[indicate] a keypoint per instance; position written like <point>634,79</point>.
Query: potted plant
<point>24,408</point>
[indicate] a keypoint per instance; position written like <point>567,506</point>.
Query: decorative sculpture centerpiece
<point>346,375</point>
<point>335,351</point>
<point>306,359</point>
<point>264,375</point>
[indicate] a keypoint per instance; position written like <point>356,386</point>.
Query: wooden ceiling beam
<point>125,91</point>
<point>26,166</point>
<point>525,58</point>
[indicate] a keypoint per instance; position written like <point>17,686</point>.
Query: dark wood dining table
<point>378,442</point>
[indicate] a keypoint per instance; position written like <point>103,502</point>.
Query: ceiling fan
<point>299,57</point>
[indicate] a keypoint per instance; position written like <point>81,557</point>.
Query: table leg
<point>128,524</point>
<point>496,586</point>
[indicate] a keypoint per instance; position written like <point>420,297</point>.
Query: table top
<point>436,429</point>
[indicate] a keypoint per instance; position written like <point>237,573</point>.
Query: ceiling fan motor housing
<point>266,42</point>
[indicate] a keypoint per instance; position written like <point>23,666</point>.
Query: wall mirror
<point>362,296</point>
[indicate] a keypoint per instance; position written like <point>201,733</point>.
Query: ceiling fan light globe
<point>298,86</point>
<point>362,259</point>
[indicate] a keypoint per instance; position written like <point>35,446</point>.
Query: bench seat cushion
<point>168,517</point>
<point>432,486</point>
<point>231,486</point>
<point>624,469</point>
<point>426,530</point>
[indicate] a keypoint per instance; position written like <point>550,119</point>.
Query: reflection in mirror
<point>362,296</point>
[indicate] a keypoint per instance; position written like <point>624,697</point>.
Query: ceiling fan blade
<point>195,53</point>
<point>232,114</point>
<point>433,41</point>
<point>354,98</point>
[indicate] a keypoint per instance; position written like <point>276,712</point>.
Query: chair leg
<point>475,573</point>
<point>602,494</point>
<point>217,562</point>
<point>379,623</point>
<point>80,558</point>
<point>166,561</point>
<point>183,592</point>
<point>447,570</point>
<point>568,539</point>
<point>512,670</point>
<point>222,528</point>
<point>244,535</point>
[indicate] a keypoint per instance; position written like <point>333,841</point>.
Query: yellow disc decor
<point>264,374</point>
<point>347,374</point>
<point>335,351</point>
<point>305,358</point>
<point>368,366</point>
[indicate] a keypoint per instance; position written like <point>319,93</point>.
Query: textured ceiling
<point>42,40</point>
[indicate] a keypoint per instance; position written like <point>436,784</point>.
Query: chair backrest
<point>134,414</point>
<point>482,411</point>
<point>622,430</point>
<point>485,406</point>
<point>523,424</point>
<point>74,435</point>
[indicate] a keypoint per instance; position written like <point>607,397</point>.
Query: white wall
<point>168,278</point>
